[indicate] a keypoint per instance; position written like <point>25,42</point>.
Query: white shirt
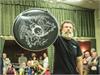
<point>45,62</point>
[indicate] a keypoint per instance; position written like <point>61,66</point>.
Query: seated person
<point>10,70</point>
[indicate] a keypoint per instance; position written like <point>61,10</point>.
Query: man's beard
<point>67,35</point>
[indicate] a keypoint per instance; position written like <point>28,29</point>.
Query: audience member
<point>10,70</point>
<point>86,61</point>
<point>29,69</point>
<point>22,68</point>
<point>22,59</point>
<point>93,66</point>
<point>6,61</point>
<point>41,60</point>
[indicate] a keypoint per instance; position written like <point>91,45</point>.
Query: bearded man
<point>68,56</point>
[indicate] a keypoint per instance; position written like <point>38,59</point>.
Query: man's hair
<point>67,21</point>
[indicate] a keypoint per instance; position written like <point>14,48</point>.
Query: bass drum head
<point>35,29</point>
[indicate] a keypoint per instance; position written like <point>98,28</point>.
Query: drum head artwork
<point>35,29</point>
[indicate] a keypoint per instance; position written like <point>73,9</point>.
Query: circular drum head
<point>35,29</point>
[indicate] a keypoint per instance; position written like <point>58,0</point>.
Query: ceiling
<point>93,4</point>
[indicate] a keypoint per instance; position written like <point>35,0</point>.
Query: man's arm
<point>79,65</point>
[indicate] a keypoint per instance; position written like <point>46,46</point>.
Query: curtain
<point>51,57</point>
<point>82,17</point>
<point>1,51</point>
<point>1,45</point>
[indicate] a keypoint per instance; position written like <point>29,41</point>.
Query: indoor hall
<point>84,13</point>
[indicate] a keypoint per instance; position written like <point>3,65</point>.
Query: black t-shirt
<point>66,52</point>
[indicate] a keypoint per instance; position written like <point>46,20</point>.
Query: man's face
<point>94,54</point>
<point>87,54</point>
<point>67,30</point>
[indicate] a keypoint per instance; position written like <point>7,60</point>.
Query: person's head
<point>29,63</point>
<point>40,58</point>
<point>93,50</point>
<point>34,58</point>
<point>87,54</point>
<point>4,55</point>
<point>67,29</point>
<point>33,54</point>
<point>94,54</point>
<point>22,54</point>
<point>10,65</point>
<point>44,55</point>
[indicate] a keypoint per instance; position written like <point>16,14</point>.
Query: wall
<point>97,30</point>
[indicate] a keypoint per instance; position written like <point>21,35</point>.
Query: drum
<point>35,29</point>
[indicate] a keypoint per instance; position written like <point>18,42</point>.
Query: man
<point>68,56</point>
<point>94,63</point>
<point>86,62</point>
<point>22,59</point>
